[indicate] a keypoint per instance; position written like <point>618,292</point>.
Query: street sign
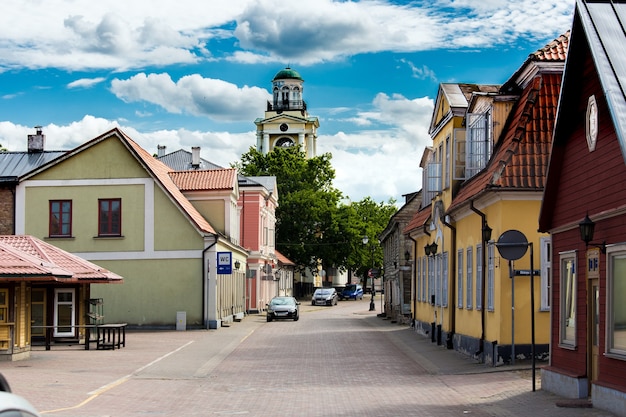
<point>512,245</point>
<point>527,272</point>
<point>224,262</point>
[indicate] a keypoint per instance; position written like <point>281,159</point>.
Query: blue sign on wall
<point>224,262</point>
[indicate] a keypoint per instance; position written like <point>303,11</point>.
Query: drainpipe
<point>414,281</point>
<point>205,300</point>
<point>483,278</point>
<point>449,343</point>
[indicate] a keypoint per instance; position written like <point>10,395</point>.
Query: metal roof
<point>604,24</point>
<point>16,164</point>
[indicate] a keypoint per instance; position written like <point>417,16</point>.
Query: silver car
<point>283,308</point>
<point>325,297</point>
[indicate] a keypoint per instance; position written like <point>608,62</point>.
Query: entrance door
<point>64,312</point>
<point>38,311</point>
<point>594,329</point>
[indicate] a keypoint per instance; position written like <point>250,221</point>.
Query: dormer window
<point>479,142</point>
<point>431,178</point>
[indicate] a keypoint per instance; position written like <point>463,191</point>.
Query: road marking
<point>96,393</point>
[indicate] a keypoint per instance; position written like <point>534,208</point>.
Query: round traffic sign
<point>512,245</point>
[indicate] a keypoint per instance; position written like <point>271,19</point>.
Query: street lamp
<point>371,274</point>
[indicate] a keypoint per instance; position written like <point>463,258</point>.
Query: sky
<point>198,73</point>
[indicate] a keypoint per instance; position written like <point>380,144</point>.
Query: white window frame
<point>491,277</point>
<point>479,277</point>
<point>443,261</point>
<point>459,154</point>
<point>431,181</point>
<point>469,279</point>
<point>615,253</point>
<point>478,145</point>
<point>568,311</point>
<point>459,277</point>
<point>424,279</point>
<point>57,305</point>
<point>546,273</point>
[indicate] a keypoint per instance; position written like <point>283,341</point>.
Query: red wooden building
<point>586,192</point>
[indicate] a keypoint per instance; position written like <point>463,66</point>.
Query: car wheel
<point>296,318</point>
<point>269,318</point>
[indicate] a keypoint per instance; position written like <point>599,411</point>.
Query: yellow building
<point>484,175</point>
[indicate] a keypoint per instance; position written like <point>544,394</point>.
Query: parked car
<point>352,291</point>
<point>12,405</point>
<point>324,297</point>
<point>283,308</point>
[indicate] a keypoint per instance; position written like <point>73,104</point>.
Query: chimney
<point>36,141</point>
<point>195,157</point>
<point>161,150</point>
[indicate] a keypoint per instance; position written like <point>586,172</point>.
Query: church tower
<point>286,121</point>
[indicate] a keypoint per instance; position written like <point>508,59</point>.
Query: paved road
<point>335,361</point>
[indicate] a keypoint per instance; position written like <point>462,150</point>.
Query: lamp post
<point>371,274</point>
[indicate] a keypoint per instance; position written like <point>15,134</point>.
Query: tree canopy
<point>311,221</point>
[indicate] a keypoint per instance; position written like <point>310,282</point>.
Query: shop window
<point>567,321</point>
<point>616,315</point>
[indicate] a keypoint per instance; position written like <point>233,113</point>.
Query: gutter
<point>205,300</point>
<point>449,342</point>
<point>483,278</point>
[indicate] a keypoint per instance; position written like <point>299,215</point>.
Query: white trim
<point>72,305</point>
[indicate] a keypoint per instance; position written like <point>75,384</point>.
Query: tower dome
<point>287,90</point>
<point>286,74</point>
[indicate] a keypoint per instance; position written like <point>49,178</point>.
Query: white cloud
<point>117,34</point>
<point>85,82</point>
<point>193,94</point>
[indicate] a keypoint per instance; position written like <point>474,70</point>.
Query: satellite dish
<point>512,245</point>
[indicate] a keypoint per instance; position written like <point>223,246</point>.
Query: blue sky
<point>198,73</point>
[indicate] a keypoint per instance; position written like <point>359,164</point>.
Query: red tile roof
<point>282,258</point>
<point>419,220</point>
<point>25,257</point>
<point>554,51</point>
<point>520,159</point>
<point>214,179</point>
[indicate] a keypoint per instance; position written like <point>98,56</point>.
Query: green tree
<point>3,149</point>
<point>311,223</point>
<point>307,200</point>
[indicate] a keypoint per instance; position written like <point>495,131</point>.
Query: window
<point>431,279</point>
<point>479,277</point>
<point>459,262</point>
<point>110,217</point>
<point>459,154</point>
<point>443,267</point>
<point>60,222</point>
<point>4,305</point>
<point>424,277</point>
<point>616,315</point>
<point>567,320</point>
<point>431,181</point>
<point>469,279</point>
<point>478,145</point>
<point>546,273</point>
<point>447,162</point>
<point>490,277</point>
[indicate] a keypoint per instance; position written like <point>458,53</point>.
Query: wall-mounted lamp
<point>237,264</point>
<point>486,232</point>
<point>586,228</point>
<point>430,249</point>
<point>407,256</point>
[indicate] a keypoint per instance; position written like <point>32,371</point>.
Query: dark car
<point>324,297</point>
<point>283,308</point>
<point>352,292</point>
